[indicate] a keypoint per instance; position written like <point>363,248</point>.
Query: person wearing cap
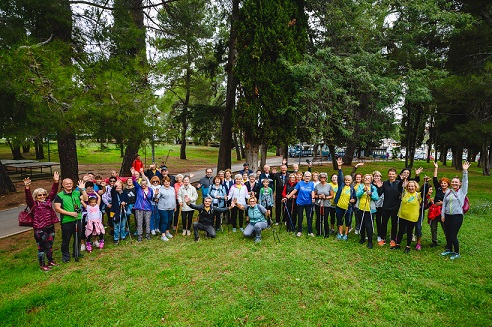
<point>165,172</point>
<point>137,163</point>
<point>246,169</point>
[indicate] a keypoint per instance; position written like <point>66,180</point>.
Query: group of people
<point>157,200</point>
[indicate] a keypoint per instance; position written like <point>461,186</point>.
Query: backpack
<point>466,203</point>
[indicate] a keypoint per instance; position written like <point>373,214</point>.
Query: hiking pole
<point>168,152</point>
<point>119,225</point>
<point>322,221</point>
<point>290,218</point>
<point>127,225</point>
<point>76,251</point>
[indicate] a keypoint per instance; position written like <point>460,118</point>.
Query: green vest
<point>69,202</point>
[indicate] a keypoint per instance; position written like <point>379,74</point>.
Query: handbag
<point>434,211</point>
<point>26,218</point>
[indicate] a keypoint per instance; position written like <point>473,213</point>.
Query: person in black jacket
<point>205,216</point>
<point>119,200</point>
<point>280,179</point>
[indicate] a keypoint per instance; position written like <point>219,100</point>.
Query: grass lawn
<point>229,281</point>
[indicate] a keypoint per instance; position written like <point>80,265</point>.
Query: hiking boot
<point>89,247</point>
<point>101,244</point>
<point>455,256</point>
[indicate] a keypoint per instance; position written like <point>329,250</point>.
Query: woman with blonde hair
<point>41,206</point>
<point>409,212</point>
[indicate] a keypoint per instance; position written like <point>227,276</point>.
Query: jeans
<point>155,219</point>
<point>308,208</point>
<point>68,230</point>
<point>120,229</point>
<point>256,228</point>
<point>166,217</point>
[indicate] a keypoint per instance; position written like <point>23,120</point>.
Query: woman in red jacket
<point>40,203</point>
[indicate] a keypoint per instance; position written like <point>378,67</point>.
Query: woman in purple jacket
<point>143,204</point>
<point>41,206</point>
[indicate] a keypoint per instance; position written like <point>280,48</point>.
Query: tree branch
<point>36,45</point>
<point>105,7</point>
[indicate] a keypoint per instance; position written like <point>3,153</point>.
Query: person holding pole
<point>367,195</point>
<point>323,193</point>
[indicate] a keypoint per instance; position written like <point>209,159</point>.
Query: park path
<point>8,218</point>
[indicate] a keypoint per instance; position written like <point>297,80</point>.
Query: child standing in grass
<point>94,225</point>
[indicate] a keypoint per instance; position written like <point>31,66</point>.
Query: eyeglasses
<point>111,181</point>
<point>40,195</point>
<point>155,182</point>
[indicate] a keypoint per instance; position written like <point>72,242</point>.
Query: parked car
<point>300,151</point>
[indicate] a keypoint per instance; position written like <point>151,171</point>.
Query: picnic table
<point>22,168</point>
<point>9,162</point>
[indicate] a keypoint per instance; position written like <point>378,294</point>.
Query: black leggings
<point>379,220</point>
<point>409,226</point>
<point>333,215</point>
<point>322,212</point>
<point>366,222</point>
<point>187,217</point>
<point>453,224</point>
<point>234,214</point>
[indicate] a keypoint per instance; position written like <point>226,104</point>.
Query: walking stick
<point>322,221</point>
<point>119,225</point>
<point>290,218</point>
<point>127,224</point>
<point>76,240</point>
<point>179,214</point>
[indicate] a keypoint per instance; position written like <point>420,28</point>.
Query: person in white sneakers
<point>189,191</point>
<point>166,206</point>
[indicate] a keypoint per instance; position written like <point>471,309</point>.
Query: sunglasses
<point>155,182</point>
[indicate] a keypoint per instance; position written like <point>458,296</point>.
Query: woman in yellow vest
<point>408,213</point>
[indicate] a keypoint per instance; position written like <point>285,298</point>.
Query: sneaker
<point>369,245</point>
<point>392,243</point>
<point>356,232</point>
<point>89,247</point>
<point>418,247</point>
<point>52,264</point>
<point>116,242</point>
<point>168,235</point>
<point>82,247</point>
<point>395,247</point>
<point>433,245</point>
<point>96,244</point>
<point>101,244</point>
<point>184,232</point>
<point>311,234</point>
<point>362,241</point>
<point>350,230</point>
<point>407,250</point>
<point>157,231</point>
<point>164,238</point>
<point>382,242</point>
<point>345,238</point>
<point>454,256</point>
<point>447,252</point>
<point>414,239</point>
<point>197,239</point>
<point>339,236</point>
<point>241,229</point>
<point>258,240</point>
<point>147,236</point>
<point>276,224</point>
<point>188,232</point>
<point>233,230</point>
<point>152,232</point>
<point>45,268</point>
<point>299,234</point>
<point>65,260</point>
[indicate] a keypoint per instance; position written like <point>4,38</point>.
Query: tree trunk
<point>333,154</point>
<point>241,147</point>
<point>6,184</point>
<point>67,152</point>
<point>130,153</point>
<point>224,160</point>
<point>26,146</point>
<point>349,153</point>
<point>238,150</point>
<point>251,151</point>
<point>457,155</point>
<point>285,152</point>
<point>263,154</point>
<point>16,151</point>
<point>485,159</point>
<point>39,148</point>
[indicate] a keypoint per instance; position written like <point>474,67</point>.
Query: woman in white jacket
<point>239,194</point>
<point>186,212</point>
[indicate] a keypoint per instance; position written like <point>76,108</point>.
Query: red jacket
<point>42,211</point>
